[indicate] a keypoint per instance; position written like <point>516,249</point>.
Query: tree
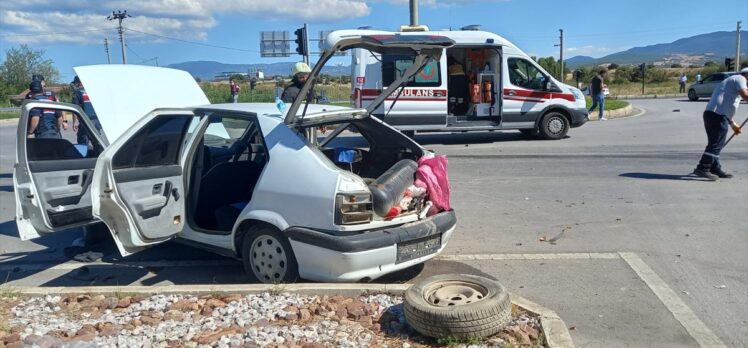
<point>21,63</point>
<point>239,78</point>
<point>550,65</point>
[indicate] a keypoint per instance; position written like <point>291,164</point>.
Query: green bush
<point>656,75</point>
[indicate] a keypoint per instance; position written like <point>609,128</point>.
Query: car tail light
<point>353,208</point>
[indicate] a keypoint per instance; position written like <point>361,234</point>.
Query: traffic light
<point>643,68</point>
<point>301,43</point>
<point>729,64</point>
<point>252,83</point>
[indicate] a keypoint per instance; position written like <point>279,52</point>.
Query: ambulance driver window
<point>394,66</point>
<point>48,140</point>
<point>524,74</point>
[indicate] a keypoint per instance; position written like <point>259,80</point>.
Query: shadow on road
<point>684,177</point>
<point>701,100</point>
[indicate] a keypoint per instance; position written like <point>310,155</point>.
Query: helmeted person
<point>80,98</point>
<point>43,123</point>
<point>718,116</point>
<point>300,73</point>
<point>49,94</point>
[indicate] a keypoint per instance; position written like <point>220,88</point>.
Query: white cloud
<point>438,3</point>
<point>590,50</point>
<point>31,21</point>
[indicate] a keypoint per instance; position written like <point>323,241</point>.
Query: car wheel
<point>530,133</point>
<point>692,95</point>
<point>457,305</point>
<point>267,256</point>
<point>554,125</point>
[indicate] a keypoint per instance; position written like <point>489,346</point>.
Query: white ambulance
<point>482,83</point>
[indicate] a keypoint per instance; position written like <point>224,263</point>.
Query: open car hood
<point>421,46</point>
<point>123,94</point>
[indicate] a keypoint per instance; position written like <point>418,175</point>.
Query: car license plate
<point>418,248</point>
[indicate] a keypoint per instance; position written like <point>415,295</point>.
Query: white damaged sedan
<point>243,180</point>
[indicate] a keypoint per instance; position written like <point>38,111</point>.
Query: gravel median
<point>234,320</point>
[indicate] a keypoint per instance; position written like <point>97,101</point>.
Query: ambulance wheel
<point>554,126</point>
<point>692,95</point>
<point>267,256</point>
<point>530,133</point>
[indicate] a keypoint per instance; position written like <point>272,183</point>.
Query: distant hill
<point>691,50</point>
<point>207,70</point>
<point>578,60</point>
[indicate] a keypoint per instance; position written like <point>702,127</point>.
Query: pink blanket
<point>432,175</point>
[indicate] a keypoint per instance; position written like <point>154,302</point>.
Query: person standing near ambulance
<point>300,73</point>
<point>717,117</point>
<point>596,92</point>
<point>80,98</point>
<point>43,123</point>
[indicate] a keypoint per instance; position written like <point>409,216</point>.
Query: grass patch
<point>451,341</point>
<point>5,115</point>
<point>610,104</point>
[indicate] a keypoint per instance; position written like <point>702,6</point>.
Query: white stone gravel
<point>262,318</point>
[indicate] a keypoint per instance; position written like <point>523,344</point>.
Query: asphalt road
<point>616,186</point>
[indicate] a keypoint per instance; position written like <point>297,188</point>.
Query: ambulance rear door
<point>421,104</point>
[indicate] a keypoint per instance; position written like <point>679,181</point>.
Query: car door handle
<point>73,179</point>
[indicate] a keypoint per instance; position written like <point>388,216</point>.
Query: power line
<point>57,33</point>
<point>193,42</point>
<point>133,51</point>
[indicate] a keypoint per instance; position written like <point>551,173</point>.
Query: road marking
<point>71,265</point>
<point>556,256</point>
<point>695,327</point>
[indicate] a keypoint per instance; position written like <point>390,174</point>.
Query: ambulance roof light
<point>473,27</point>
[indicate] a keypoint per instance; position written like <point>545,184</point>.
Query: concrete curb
<point>649,96</point>
<point>625,111</point>
<point>9,120</point>
<point>554,329</point>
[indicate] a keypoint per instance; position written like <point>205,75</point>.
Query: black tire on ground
<point>530,133</point>
<point>554,126</point>
<point>692,95</point>
<point>267,256</point>
<point>457,305</point>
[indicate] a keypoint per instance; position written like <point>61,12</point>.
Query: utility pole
<point>106,48</point>
<point>413,13</point>
<point>561,53</point>
<point>120,16</point>
<point>737,48</point>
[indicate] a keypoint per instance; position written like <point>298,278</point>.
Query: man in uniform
<point>43,123</point>
<point>300,74</point>
<point>717,117</point>
<point>80,98</point>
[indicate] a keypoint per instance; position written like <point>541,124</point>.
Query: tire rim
<point>454,293</point>
<point>268,259</point>
<point>555,125</point>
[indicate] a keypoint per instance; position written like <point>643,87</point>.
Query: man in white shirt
<point>717,117</point>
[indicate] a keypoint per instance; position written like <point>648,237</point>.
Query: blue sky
<point>72,32</point>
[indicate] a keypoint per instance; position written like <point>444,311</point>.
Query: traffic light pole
<point>306,44</point>
<point>737,48</point>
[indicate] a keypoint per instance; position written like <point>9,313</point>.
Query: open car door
<point>138,184</point>
<point>52,174</point>
<point>425,48</point>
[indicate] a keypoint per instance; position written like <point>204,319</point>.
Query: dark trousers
<point>716,126</point>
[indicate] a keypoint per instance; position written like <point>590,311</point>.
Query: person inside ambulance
<point>43,123</point>
<point>300,73</point>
